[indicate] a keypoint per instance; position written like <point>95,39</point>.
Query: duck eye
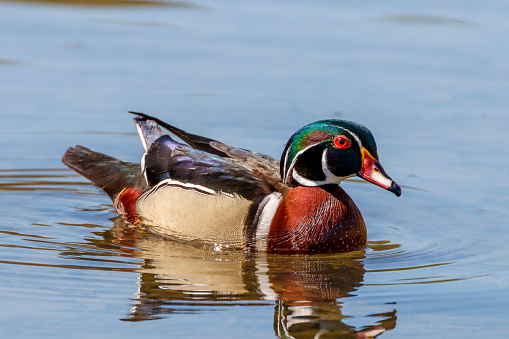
<point>341,142</point>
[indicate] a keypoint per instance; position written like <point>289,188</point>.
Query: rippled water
<point>430,81</point>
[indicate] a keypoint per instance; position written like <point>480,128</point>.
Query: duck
<point>204,191</point>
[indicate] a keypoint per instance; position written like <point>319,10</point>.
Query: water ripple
<point>70,230</point>
<point>55,179</point>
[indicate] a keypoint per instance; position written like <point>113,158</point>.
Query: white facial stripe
<point>325,166</point>
<point>355,137</point>
<point>293,163</point>
<point>330,178</point>
<point>306,182</point>
<point>285,172</point>
<point>268,208</point>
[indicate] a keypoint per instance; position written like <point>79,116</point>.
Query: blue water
<point>431,81</point>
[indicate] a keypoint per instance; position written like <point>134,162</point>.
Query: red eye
<point>341,142</point>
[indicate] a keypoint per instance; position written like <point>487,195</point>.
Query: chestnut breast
<point>319,219</point>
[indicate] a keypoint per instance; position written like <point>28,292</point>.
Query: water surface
<point>430,81</point>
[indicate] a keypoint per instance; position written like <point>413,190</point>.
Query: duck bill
<point>373,172</point>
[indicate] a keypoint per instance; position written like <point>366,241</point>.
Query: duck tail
<point>110,174</point>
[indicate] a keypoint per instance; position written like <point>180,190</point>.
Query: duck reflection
<point>309,290</point>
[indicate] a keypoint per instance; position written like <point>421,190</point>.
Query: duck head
<point>330,151</point>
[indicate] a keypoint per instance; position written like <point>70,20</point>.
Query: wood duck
<point>208,192</point>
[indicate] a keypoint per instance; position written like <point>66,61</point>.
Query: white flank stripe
<point>269,206</point>
<point>177,183</point>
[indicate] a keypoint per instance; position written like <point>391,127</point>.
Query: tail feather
<point>193,140</point>
<point>108,173</point>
